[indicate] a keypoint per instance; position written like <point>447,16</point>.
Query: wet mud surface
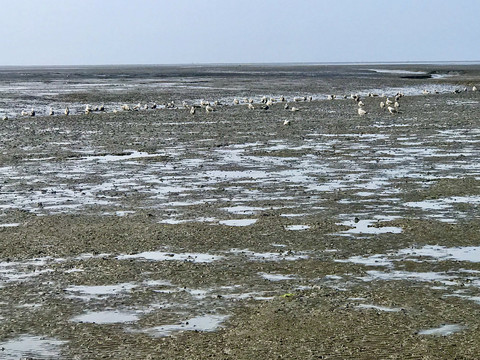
<point>161,234</point>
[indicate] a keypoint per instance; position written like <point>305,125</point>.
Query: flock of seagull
<point>392,106</point>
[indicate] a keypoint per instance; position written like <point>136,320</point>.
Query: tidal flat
<point>161,234</point>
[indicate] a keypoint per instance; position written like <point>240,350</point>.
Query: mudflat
<point>168,235</point>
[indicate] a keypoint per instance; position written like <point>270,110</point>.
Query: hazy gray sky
<point>76,32</point>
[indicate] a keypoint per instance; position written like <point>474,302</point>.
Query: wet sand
<point>160,234</point>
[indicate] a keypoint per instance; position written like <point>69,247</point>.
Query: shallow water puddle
<point>199,323</point>
<point>365,227</point>
<point>243,210</point>
<point>99,291</point>
<point>30,346</point>
<point>10,225</point>
<point>297,227</point>
<point>444,203</point>
<point>238,222</point>
<point>436,252</point>
<point>106,317</point>
<point>12,272</point>
<point>167,256</point>
<point>373,275</point>
<point>293,215</point>
<point>444,330</point>
<point>466,253</point>
<point>128,155</point>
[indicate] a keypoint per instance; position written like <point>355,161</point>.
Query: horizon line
<point>292,63</point>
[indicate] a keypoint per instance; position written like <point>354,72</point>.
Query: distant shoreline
<point>293,64</point>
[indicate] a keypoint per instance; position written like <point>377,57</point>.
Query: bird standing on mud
<point>362,111</point>
<point>392,110</point>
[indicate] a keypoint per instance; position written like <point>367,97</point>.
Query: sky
<point>96,32</point>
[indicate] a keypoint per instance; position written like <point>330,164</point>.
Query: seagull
<point>286,122</point>
<point>362,111</point>
<point>474,88</point>
<point>32,112</point>
<point>392,110</point>
<point>236,101</point>
<point>294,108</point>
<point>51,112</point>
<point>251,107</point>
<point>286,106</point>
<point>382,104</point>
<point>67,111</point>
<point>5,117</point>
<point>208,108</point>
<point>192,110</point>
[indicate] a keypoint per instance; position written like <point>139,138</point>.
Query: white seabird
<point>392,110</point>
<point>362,111</point>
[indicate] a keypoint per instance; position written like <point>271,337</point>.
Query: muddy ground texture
<point>165,235</point>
